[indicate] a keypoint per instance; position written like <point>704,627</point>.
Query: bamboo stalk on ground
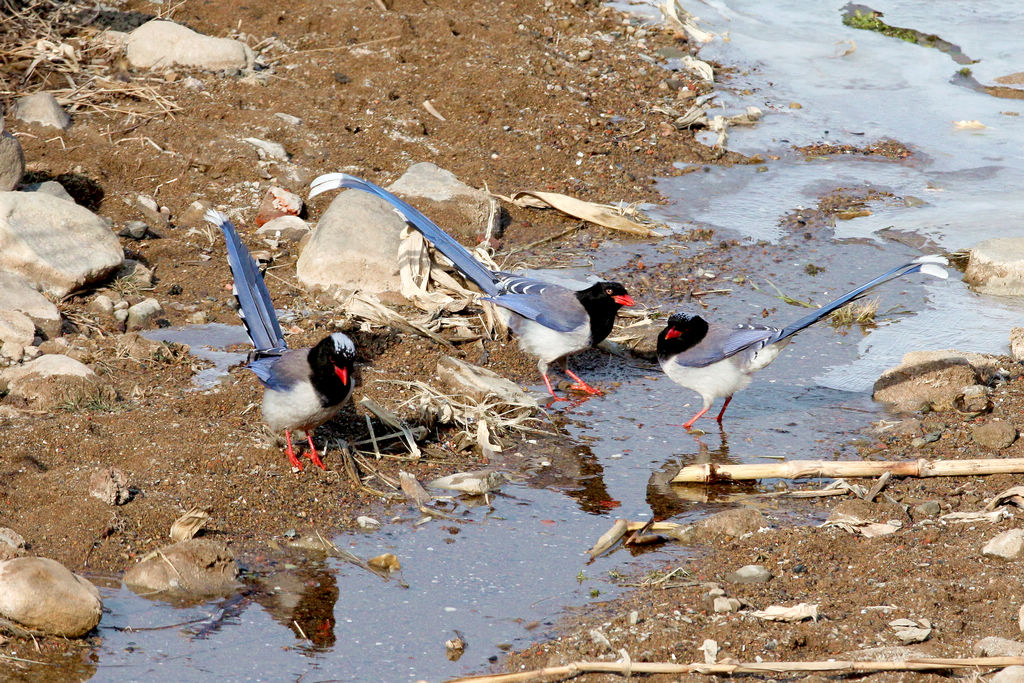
<point>799,469</point>
<point>628,668</point>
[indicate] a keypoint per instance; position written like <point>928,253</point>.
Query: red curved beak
<point>673,333</point>
<point>342,374</point>
<point>623,300</point>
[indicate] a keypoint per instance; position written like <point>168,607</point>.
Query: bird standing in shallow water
<point>550,321</point>
<point>717,360</point>
<point>303,388</point>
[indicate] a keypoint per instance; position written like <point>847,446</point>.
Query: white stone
<point>12,160</point>
<point>725,605</point>
<point>1006,546</point>
<point>42,594</point>
<point>16,294</point>
<point>267,149</point>
<point>43,109</point>
<point>996,266</point>
<point>57,245</point>
<point>284,228</point>
<point>194,566</point>
<point>13,351</point>
<point>162,44</point>
<point>288,118</point>
<point>16,327</point>
<point>994,646</point>
<point>51,380</point>
<point>102,305</point>
<point>141,314</point>
<point>460,209</point>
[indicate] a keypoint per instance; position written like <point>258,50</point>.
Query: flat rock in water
<point>197,566</point>
<point>726,524</point>
<point>43,109</point>
<point>58,246</point>
<point>12,160</point>
<point>1008,545</point>
<point>923,380</point>
<point>16,294</point>
<point>996,266</point>
<point>994,434</point>
<point>52,380</point>
<point>42,595</point>
<point>163,44</point>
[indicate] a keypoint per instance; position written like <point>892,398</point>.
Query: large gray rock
<point>12,160</point>
<point>58,246</point>
<point>355,244</point>
<point>931,379</point>
<point>42,595</point>
<point>163,44</point>
<point>51,380</point>
<point>16,294</point>
<point>196,566</point>
<point>353,247</point>
<point>994,646</point>
<point>1011,674</point>
<point>41,108</point>
<point>460,209</point>
<point>996,266</point>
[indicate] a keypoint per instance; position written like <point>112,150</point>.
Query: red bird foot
<point>583,386</point>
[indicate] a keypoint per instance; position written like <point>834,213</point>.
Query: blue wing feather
<point>534,308</point>
<point>255,307</point>
<point>445,243</point>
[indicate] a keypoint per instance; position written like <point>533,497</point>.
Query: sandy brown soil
<point>531,101</point>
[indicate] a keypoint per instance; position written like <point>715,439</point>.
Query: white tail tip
<point>326,182</point>
<point>940,260</point>
<point>930,268</point>
<point>215,217</point>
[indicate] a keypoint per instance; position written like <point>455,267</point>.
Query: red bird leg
<point>547,383</point>
<point>583,386</point>
<point>290,452</point>
<point>722,411</point>
<point>313,454</point>
<point>689,425</point>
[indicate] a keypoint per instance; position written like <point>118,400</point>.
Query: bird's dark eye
<point>609,292</point>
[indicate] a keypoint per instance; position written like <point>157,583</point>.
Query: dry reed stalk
<point>800,469</point>
<point>627,668</point>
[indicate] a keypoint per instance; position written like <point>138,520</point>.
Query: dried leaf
<point>189,524</point>
<point>412,489</point>
<point>386,562</point>
<point>993,516</point>
<point>866,528</point>
<point>392,420</point>
<point>679,18</point>
<point>476,483</point>
<point>794,613</point>
<point>609,538</point>
<point>1011,496</point>
<point>600,214</point>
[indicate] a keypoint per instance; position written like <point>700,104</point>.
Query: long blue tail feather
<point>254,305</point>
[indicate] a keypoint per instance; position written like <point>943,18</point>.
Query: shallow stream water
<point>505,578</point>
